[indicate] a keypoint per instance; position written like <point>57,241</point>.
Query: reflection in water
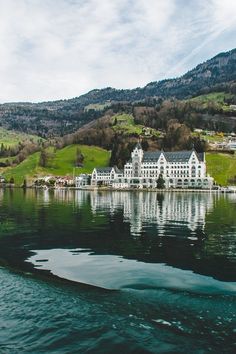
<point>192,231</point>
<point>117,273</point>
<point>150,207</point>
<point>171,255</point>
<point>140,208</point>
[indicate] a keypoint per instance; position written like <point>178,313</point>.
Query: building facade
<point>180,169</point>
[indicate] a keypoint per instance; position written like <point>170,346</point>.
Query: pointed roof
<point>178,156</point>
<point>172,156</point>
<point>138,146</point>
<point>151,155</point>
<point>103,169</point>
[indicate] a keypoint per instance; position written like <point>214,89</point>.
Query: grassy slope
<point>24,169</point>
<point>64,160</point>
<point>97,106</point>
<point>62,164</point>
<point>11,137</point>
<point>216,97</point>
<point>221,167</point>
<point>125,123</point>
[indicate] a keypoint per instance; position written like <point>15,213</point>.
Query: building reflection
<point>142,210</point>
<point>151,208</point>
<point>185,230</point>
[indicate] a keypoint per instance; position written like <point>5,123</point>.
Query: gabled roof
<point>178,156</point>
<point>104,169</point>
<point>117,170</point>
<point>138,146</point>
<point>107,169</point>
<point>182,156</point>
<point>151,155</point>
<point>200,155</point>
<point>175,156</point>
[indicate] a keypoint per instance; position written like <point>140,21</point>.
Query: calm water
<point>149,272</point>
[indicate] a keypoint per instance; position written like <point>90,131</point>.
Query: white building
<point>82,180</point>
<point>180,169</point>
<point>105,176</point>
<point>231,145</point>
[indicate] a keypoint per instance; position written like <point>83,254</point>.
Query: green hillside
<point>222,167</point>
<point>61,163</point>
<point>124,123</point>
<point>11,137</point>
<point>217,98</point>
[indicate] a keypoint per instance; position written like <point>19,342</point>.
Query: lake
<point>130,272</point>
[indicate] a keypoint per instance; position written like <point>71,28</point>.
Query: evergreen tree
<point>24,185</point>
<point>160,182</point>
<point>79,157</point>
<point>43,159</point>
<point>12,181</point>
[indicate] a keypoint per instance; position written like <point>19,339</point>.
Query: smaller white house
<point>105,176</point>
<point>231,145</point>
<point>2,179</point>
<point>82,180</point>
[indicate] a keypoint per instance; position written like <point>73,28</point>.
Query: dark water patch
<point>41,317</point>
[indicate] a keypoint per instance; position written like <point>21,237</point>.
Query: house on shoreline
<point>180,169</point>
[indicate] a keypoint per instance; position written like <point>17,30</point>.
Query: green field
<point>62,163</point>
<point>217,98</point>
<point>11,137</point>
<point>125,123</point>
<point>221,167</point>
<point>210,138</point>
<point>25,169</point>
<point>97,106</point>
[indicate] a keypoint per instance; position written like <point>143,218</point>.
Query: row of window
<point>167,167</point>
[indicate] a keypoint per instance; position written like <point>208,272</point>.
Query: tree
<point>145,145</point>
<point>79,157</point>
<point>24,185</point>
<point>160,182</point>
<point>43,159</point>
<point>12,181</point>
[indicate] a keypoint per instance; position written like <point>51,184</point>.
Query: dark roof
<point>138,146</point>
<point>151,155</point>
<point>175,156</point>
<point>107,169</point>
<point>178,156</point>
<point>200,155</point>
<point>182,156</point>
<point>117,170</point>
<point>104,169</point>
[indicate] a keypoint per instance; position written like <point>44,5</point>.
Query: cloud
<point>56,49</point>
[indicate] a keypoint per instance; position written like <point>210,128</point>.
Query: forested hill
<point>65,116</point>
<point>208,76</point>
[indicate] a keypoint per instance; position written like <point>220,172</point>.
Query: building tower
<point>137,157</point>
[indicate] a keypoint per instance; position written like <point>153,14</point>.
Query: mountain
<point>206,76</point>
<point>65,116</point>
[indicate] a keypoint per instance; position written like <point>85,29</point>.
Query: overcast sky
<point>53,49</point>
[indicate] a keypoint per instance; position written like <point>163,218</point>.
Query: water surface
<point>168,258</point>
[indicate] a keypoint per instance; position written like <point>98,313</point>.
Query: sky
<point>58,49</point>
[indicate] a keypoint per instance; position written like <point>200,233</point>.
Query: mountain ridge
<point>64,116</point>
<point>228,57</point>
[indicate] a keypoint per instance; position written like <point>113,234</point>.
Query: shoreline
<point>224,190</point>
